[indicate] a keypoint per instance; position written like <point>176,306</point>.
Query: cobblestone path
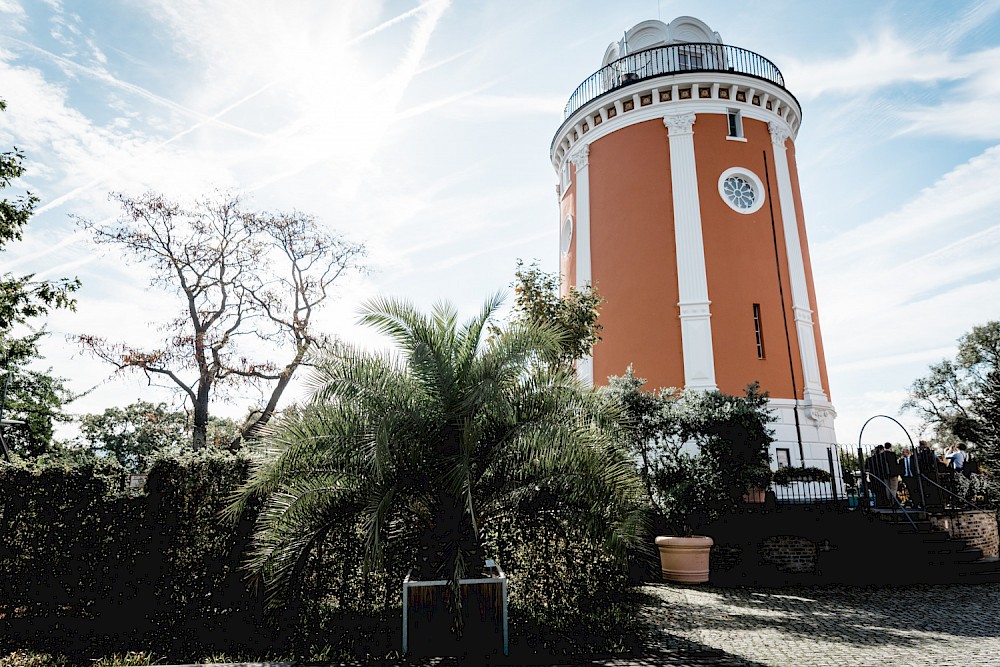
<point>873,626</point>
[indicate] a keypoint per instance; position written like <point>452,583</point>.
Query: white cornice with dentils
<point>658,109</point>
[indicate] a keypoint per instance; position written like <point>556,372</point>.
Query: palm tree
<point>459,430</point>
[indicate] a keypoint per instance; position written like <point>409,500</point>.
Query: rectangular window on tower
<point>690,58</point>
<point>784,457</point>
<point>735,124</point>
<point>758,332</point>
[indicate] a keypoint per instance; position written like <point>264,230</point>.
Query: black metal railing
<point>673,59</point>
<point>805,489</point>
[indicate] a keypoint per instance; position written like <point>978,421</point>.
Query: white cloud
<point>884,60</point>
<point>317,114</point>
<point>970,111</point>
<point>14,14</point>
<point>962,201</point>
<point>896,292</point>
<point>923,83</point>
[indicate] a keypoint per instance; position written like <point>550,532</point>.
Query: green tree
<point>574,315</point>
<point>698,451</point>
<point>32,396</point>
<point>432,445</point>
<point>23,298</point>
<point>954,399</point>
<point>959,399</point>
<point>136,433</point>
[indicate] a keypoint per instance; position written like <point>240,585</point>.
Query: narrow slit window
<point>735,124</point>
<point>758,332</point>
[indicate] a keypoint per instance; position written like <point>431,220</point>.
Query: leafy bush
<point>698,452</point>
<point>103,572</point>
<point>61,532</point>
<point>788,474</point>
<point>566,594</point>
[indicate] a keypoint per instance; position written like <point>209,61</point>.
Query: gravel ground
<point>878,626</point>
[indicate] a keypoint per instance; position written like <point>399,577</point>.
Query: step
<point>934,537</point>
<point>899,517</point>
<point>978,571</point>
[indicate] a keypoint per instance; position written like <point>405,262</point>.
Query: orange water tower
<point>679,200</point>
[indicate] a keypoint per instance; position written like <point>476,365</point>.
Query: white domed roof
<point>649,34</point>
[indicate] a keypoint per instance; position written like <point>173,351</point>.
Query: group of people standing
<point>887,474</point>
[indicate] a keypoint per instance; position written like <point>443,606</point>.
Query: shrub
<point>86,566</point>
<point>32,659</point>
<point>698,452</point>
<point>566,593</point>
<point>126,659</point>
<point>788,474</point>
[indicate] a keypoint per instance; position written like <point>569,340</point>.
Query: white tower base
<point>815,424</point>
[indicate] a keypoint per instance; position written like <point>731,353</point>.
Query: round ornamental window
<point>566,234</point>
<point>742,190</point>
<point>739,192</point>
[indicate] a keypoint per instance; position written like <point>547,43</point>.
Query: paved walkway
<point>918,626</point>
<point>896,627</point>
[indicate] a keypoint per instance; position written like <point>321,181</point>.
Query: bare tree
<point>239,274</point>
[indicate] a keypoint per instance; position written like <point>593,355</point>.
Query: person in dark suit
<point>908,475</point>
<point>927,465</point>
<point>890,465</point>
<point>875,475</point>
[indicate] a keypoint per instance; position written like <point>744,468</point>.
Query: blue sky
<point>423,129</point>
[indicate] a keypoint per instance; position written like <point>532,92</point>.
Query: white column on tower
<point>692,280</point>
<point>812,384</point>
<point>581,160</point>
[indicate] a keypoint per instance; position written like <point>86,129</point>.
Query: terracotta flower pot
<point>684,559</point>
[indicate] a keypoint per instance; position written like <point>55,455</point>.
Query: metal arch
<point>881,481</point>
<point>893,419</point>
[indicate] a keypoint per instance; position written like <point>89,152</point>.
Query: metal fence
<point>804,488</point>
<point>909,479</point>
<point>673,59</point>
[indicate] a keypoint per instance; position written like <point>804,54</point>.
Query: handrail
<point>672,59</point>
<point>895,500</point>
<point>965,501</point>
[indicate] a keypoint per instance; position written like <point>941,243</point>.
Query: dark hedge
<point>88,569</point>
<point>86,566</point>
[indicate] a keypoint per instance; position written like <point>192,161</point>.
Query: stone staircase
<point>951,558</point>
<point>829,545</point>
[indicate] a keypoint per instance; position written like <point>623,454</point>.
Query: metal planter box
<point>427,620</point>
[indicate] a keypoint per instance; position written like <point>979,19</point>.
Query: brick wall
<point>789,553</point>
<point>977,528</point>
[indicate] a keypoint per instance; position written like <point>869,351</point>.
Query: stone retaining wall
<point>789,553</point>
<point>978,528</point>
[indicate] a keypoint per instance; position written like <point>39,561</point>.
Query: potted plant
<point>758,480</point>
<point>698,453</point>
<point>686,504</point>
